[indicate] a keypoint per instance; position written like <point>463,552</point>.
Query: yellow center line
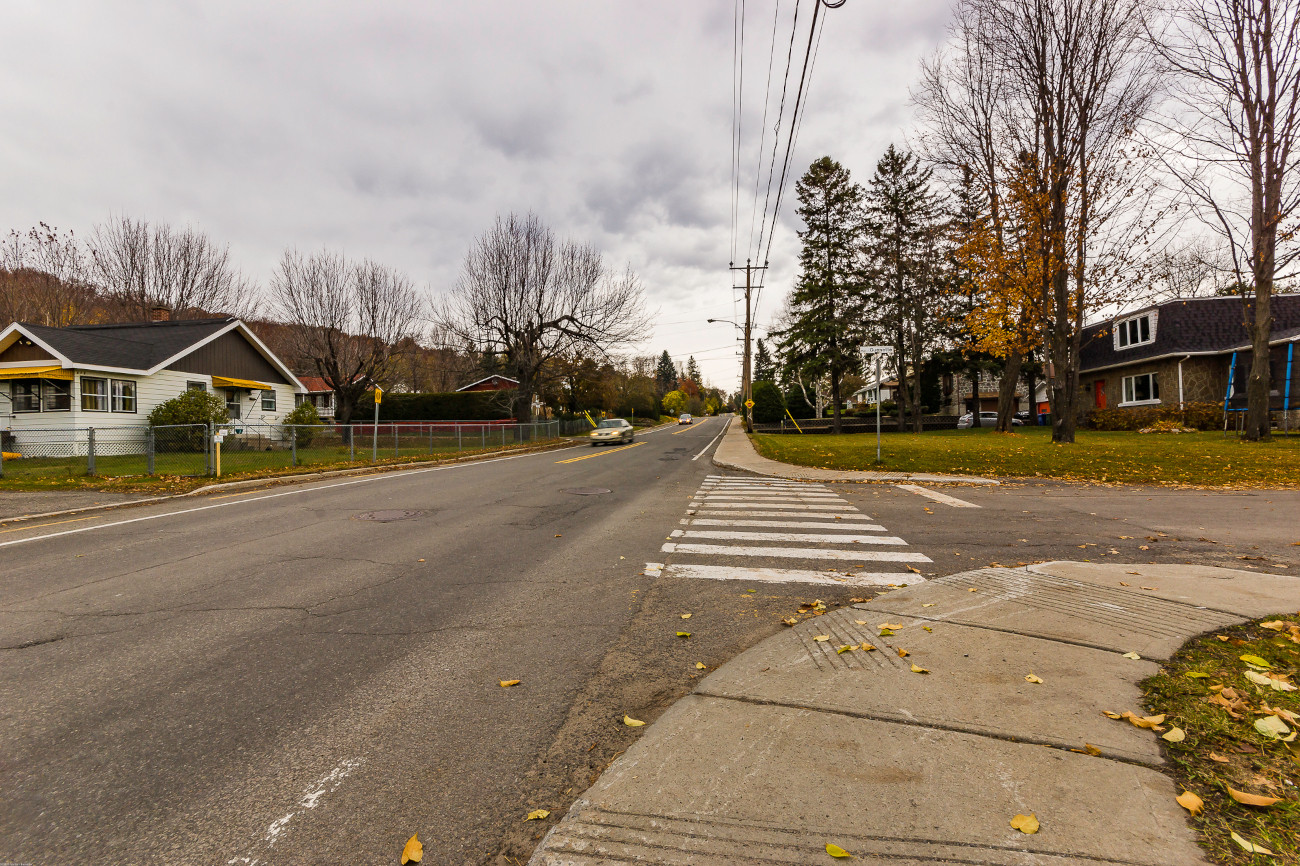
<point>55,523</point>
<point>689,428</point>
<point>600,453</point>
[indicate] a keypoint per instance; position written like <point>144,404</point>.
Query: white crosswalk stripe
<point>814,524</point>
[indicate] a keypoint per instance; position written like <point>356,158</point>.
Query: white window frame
<point>115,399</point>
<point>52,385</point>
<point>102,395</point>
<point>1128,388</point>
<point>268,396</point>
<point>1121,329</point>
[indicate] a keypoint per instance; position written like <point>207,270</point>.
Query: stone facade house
<point>1189,350</point>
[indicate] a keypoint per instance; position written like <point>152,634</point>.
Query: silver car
<point>612,430</point>
<point>987,419</point>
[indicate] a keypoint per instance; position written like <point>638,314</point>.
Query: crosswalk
<point>735,523</point>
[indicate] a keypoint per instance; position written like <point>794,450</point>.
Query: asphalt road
<point>262,677</point>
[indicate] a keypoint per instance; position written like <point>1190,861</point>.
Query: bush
<point>674,402</point>
<point>191,407</point>
<point>1201,416</point>
<point>453,406</point>
<point>305,420</point>
<point>768,406</point>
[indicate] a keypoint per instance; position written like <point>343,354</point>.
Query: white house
<point>114,375</point>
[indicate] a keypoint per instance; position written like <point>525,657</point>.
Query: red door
<point>1099,393</point>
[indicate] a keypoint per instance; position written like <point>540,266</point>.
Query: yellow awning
<point>36,373</point>
<point>225,382</point>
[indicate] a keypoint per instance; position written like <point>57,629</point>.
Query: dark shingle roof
<point>1191,325</point>
<point>131,346</point>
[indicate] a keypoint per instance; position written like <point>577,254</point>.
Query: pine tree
<point>824,335</point>
<point>665,374</point>
<point>693,370</point>
<point>903,241</point>
<point>764,369</point>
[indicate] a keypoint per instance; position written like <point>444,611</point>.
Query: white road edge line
<point>376,477</point>
<point>715,439</point>
<point>937,497</point>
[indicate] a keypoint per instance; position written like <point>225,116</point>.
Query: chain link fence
<point>236,447</point>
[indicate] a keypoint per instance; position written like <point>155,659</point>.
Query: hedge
<point>453,406</point>
<point>1202,416</point>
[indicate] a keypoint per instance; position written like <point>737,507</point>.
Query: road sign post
<point>879,352</point>
<point>374,439</point>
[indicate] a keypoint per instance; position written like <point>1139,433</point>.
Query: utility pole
<point>746,383</point>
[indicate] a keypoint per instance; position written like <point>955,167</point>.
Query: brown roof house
<point>114,375</point>
<point>1191,350</point>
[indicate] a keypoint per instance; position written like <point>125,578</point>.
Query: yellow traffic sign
<point>379,394</point>
<point>749,404</point>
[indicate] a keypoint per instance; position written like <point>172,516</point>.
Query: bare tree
<point>142,267</point>
<point>345,319</point>
<point>533,299</point>
<point>1237,67</point>
<point>44,279</point>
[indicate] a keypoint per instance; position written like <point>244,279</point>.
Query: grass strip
<point>1185,459</point>
<point>1223,748</point>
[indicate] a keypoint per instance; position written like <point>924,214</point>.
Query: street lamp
<point>744,378</point>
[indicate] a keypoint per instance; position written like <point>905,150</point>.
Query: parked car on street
<point>684,419</point>
<point>612,430</point>
<point>987,419</point>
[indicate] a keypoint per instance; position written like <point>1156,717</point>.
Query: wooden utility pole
<point>746,379</point>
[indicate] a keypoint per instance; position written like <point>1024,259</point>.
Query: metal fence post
<point>149,450</point>
<point>503,435</point>
<point>482,432</point>
<point>430,438</point>
<point>352,443</point>
<point>2,458</point>
<point>458,438</point>
<point>395,446</point>
<point>90,451</point>
<point>293,439</point>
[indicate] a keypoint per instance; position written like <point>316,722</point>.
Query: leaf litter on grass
<point>1233,757</point>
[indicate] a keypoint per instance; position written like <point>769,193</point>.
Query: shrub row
<point>1202,416</point>
<point>453,406</point>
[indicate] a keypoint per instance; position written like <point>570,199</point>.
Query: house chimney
<point>161,314</point>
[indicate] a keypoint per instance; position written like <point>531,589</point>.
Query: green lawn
<point>1201,459</point>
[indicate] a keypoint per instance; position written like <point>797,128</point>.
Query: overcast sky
<point>399,130</point>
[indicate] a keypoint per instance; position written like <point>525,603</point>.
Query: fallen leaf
<point>419,560</point>
<point>1150,588</point>
<point>916,669</point>
<point>790,621</point>
<point>537,815</point>
<point>860,621</point>
<point>686,616</point>
<point>1030,678</point>
<point>1255,660</point>
<point>927,628</point>
<point>1190,802</point>
<point>1252,799</point>
<point>1274,682</point>
<point>836,851</point>
<point>1122,583</point>
<point>631,722</point>
<point>505,684</point>
<point>884,632</point>
<point>683,634</point>
<point>822,637</point>
<point>930,604</point>
<point>913,570</point>
<point>1132,656</point>
<point>699,666</point>
<point>1174,735</point>
<point>414,851</point>
<point>1025,823</point>
<point>1126,536</point>
<point>1279,711</point>
<point>868,647</point>
<point>1275,625</point>
<point>1196,675</point>
<point>1272,727</point>
<point>1108,714</point>
<point>1219,758</point>
<point>1222,637</point>
<point>1250,847</point>
<point>1144,547</point>
<point>559,536</point>
<point>902,653</point>
<point>844,649</point>
<point>889,625</point>
<point>972,589</point>
<point>1092,750</point>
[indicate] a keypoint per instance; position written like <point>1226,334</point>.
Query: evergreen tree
<point>693,370</point>
<point>823,335</point>
<point>764,369</point>
<point>904,229</point>
<point>665,374</point>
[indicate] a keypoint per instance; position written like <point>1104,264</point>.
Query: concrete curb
<point>774,753</point>
<point>737,452</point>
<point>301,478</point>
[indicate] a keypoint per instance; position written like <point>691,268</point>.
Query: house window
<point>1134,332</point>
<point>268,401</point>
<point>1141,389</point>
<point>26,395</point>
<point>232,403</point>
<point>57,396</point>
<point>196,386</point>
<point>123,395</point>
<point>94,395</point>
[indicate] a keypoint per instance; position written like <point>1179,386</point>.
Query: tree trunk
<point>975,397</point>
<point>1257,384</point>
<point>918,416</point>
<point>1007,390</point>
<point>1031,386</point>
<point>835,397</point>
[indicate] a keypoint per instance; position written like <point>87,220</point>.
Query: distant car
<point>684,419</point>
<point>987,419</point>
<point>612,430</point>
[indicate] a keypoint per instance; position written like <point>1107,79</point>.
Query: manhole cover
<point>585,491</point>
<point>388,516</point>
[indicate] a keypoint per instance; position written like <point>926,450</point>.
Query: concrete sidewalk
<point>793,745</point>
<point>737,452</point>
